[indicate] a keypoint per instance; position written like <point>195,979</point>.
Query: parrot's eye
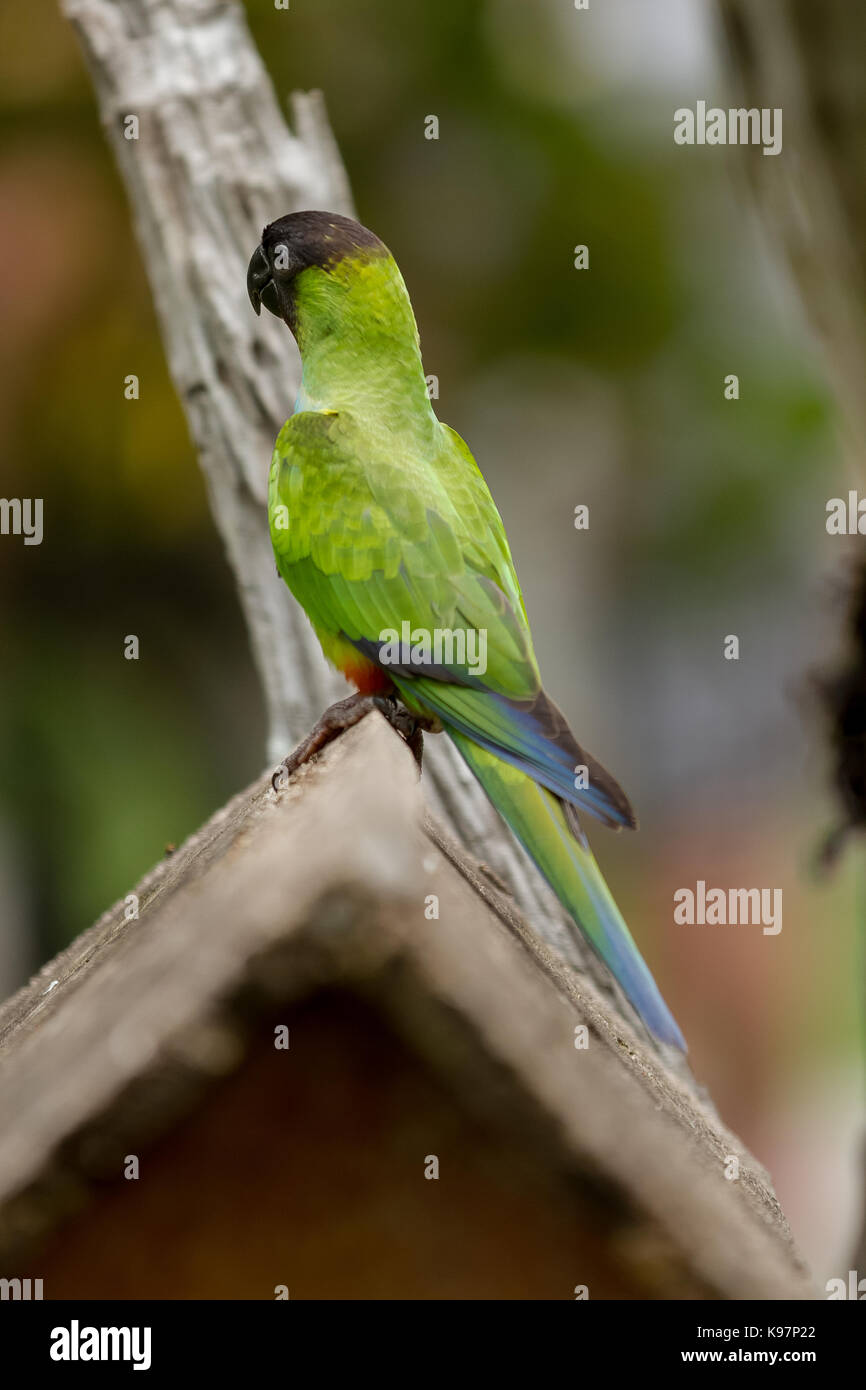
<point>281,257</point>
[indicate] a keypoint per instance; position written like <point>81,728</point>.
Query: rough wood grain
<point>324,885</point>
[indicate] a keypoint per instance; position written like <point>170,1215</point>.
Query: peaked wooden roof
<point>323,884</point>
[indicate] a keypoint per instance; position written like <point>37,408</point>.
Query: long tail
<point>538,821</point>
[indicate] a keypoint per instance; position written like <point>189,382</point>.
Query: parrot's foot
<point>411,727</point>
<point>344,715</point>
<point>336,720</point>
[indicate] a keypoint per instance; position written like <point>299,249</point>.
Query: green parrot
<point>385,532</point>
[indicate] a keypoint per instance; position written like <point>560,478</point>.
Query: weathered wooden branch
<point>321,887</point>
<point>213,162</point>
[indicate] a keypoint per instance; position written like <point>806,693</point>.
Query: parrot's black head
<point>294,244</point>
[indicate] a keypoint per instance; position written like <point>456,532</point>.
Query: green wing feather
<point>367,539</point>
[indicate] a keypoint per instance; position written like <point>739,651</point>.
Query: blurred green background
<point>602,387</point>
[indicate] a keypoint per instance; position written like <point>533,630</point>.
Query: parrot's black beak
<point>260,284</point>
